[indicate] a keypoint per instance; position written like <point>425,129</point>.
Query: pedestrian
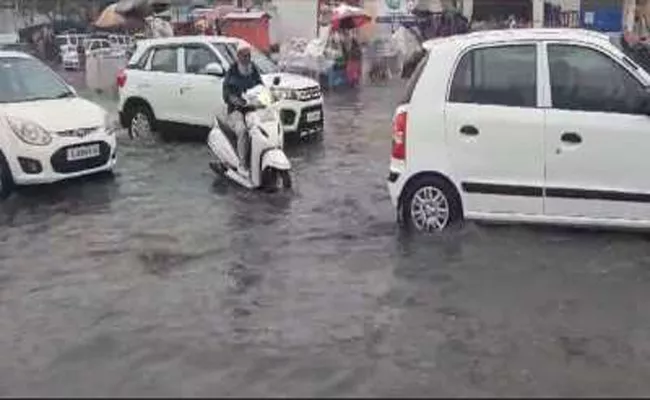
<point>352,58</point>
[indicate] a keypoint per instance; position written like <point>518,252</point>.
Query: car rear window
<point>139,62</point>
<point>415,76</point>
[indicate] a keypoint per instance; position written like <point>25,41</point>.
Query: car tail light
<point>399,136</point>
<point>121,78</point>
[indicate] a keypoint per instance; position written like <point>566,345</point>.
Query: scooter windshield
<point>261,95</point>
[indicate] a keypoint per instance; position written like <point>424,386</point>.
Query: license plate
<point>313,116</point>
<point>83,152</point>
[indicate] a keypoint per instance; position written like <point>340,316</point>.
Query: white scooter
<point>269,166</point>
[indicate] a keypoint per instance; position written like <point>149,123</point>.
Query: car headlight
<point>29,132</point>
<point>111,124</point>
<point>285,94</point>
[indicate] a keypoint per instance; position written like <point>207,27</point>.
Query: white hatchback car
<point>47,132</point>
<point>166,82</point>
<point>534,125</point>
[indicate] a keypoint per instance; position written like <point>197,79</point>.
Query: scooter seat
<point>228,132</point>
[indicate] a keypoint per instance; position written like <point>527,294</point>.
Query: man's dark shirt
<point>235,85</point>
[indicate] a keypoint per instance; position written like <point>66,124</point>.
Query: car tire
<point>430,204</point>
<point>6,178</point>
<point>141,123</point>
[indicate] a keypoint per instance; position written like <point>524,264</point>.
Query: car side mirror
<point>214,69</point>
<point>276,81</point>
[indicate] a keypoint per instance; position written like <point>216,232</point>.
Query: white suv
<point>545,125</point>
<point>166,81</point>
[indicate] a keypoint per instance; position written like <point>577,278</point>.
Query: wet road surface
<point>165,281</point>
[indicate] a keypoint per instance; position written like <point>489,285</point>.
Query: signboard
<point>396,12</point>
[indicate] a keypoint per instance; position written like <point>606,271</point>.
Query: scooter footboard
<point>221,147</point>
<point>275,158</point>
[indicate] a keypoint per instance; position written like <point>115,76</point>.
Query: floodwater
<point>165,281</point>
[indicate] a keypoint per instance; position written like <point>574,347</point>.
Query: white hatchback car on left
<point>47,132</point>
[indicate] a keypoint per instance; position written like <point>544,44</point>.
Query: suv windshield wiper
<point>64,95</point>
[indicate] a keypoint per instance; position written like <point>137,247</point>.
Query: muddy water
<point>167,281</point>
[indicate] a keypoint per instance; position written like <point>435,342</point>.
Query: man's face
<point>244,57</point>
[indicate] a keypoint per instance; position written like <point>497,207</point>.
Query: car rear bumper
<point>395,181</point>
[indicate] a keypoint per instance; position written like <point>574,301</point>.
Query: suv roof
<point>504,35</point>
<point>188,39</point>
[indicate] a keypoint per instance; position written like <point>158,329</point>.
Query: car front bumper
<point>32,165</point>
<point>295,116</point>
<point>71,64</point>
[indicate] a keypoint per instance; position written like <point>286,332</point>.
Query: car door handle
<point>144,85</point>
<point>185,89</point>
<point>469,130</point>
<point>571,138</point>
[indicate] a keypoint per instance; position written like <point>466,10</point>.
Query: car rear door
<point>201,94</point>
<point>597,136</point>
<point>494,129</point>
<point>165,81</point>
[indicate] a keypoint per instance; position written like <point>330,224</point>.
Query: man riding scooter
<point>241,77</point>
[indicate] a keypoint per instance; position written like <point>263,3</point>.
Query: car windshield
<point>15,47</point>
<point>264,64</point>
<point>24,79</point>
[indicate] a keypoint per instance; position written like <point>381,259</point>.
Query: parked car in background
<point>47,132</point>
<point>538,125</point>
<point>120,43</point>
<point>166,82</point>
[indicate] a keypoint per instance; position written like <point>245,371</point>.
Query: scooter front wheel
<point>276,179</point>
<point>217,167</point>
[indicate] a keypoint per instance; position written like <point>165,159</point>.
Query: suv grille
<point>303,125</point>
<point>308,94</point>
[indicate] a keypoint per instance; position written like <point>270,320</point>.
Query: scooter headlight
<point>266,115</point>
<point>29,132</point>
<point>285,94</point>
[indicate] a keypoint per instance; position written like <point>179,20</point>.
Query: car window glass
<point>225,52</point>
<point>141,62</point>
<point>106,45</point>
<point>415,77</point>
<point>503,75</point>
<point>164,60</point>
<point>197,58</point>
<point>587,80</point>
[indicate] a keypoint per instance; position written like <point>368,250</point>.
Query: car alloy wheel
<point>140,125</point>
<point>429,209</point>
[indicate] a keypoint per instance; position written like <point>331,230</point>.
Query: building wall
<point>294,18</point>
<point>10,23</point>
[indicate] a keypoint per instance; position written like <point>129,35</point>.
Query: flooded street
<point>166,281</point>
